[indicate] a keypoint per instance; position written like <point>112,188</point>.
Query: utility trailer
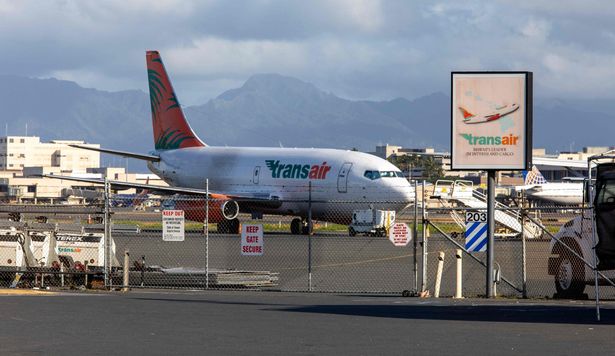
<point>50,251</point>
<point>371,222</point>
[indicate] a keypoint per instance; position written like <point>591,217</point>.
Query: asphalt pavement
<point>258,323</point>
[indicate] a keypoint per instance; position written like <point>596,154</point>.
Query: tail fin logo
<point>156,89</point>
<point>466,114</point>
<point>171,130</point>
<point>534,177</point>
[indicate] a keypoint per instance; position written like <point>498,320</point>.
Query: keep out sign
<point>252,240</point>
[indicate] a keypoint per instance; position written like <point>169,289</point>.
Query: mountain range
<point>274,110</point>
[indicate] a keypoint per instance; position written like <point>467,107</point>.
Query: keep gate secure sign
<point>252,240</point>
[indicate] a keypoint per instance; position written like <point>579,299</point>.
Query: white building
<point>23,159</point>
<point>18,152</point>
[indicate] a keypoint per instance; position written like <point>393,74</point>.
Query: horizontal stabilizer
<point>140,156</point>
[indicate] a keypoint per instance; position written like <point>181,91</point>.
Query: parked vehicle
<point>573,247</point>
<point>371,222</point>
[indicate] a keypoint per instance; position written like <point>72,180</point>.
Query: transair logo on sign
<point>297,171</point>
<point>491,140</point>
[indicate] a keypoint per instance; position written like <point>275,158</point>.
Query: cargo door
<point>256,175</point>
<point>342,178</point>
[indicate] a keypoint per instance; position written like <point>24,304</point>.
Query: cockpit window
<point>373,175</point>
<point>387,174</point>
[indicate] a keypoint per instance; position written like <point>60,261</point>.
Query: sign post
<point>491,230</point>
<point>491,130</point>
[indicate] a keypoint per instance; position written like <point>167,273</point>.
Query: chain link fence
<point>63,245</point>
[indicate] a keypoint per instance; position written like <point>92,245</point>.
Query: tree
<point>432,170</point>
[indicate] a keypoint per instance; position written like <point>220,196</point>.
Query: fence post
<point>206,226</point>
<point>592,191</point>
<point>423,243</point>
<point>126,280</point>
<point>436,293</point>
<point>415,235</point>
<point>523,247</point>
<point>107,231</point>
<point>459,279</point>
<point>310,236</point>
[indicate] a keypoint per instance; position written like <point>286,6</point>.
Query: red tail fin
<point>171,130</point>
<point>466,113</point>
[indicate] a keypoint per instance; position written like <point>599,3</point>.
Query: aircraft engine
<point>219,209</point>
<point>230,209</point>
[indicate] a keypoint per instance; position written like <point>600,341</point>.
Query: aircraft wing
<point>556,162</point>
<point>430,154</point>
<point>140,156</point>
<point>119,185</point>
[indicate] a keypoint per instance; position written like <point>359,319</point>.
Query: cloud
<point>354,48</point>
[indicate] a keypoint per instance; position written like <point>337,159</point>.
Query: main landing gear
<point>229,226</point>
<point>299,227</point>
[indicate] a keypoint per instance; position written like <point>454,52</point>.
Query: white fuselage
<point>495,115</point>
<point>334,180</point>
<point>558,193</point>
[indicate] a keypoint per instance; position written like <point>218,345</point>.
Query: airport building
<point>554,173</point>
<point>550,172</point>
<point>18,152</point>
<point>23,159</point>
<point>389,152</point>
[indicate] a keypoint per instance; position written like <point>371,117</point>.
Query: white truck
<point>571,270</point>
<point>371,222</point>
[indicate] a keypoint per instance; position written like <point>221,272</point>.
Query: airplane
<point>500,112</point>
<point>536,187</point>
<point>258,180</point>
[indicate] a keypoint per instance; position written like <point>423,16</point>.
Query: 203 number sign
<point>476,216</point>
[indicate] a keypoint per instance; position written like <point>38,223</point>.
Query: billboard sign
<point>491,120</point>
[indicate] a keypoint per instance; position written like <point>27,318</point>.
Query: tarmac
<point>163,322</point>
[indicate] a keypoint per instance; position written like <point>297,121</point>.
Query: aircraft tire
<point>296,226</point>
<point>223,227</point>
<point>234,226</point>
<point>305,229</point>
<point>351,231</point>
<point>229,226</point>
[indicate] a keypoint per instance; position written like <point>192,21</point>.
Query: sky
<point>356,49</point>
